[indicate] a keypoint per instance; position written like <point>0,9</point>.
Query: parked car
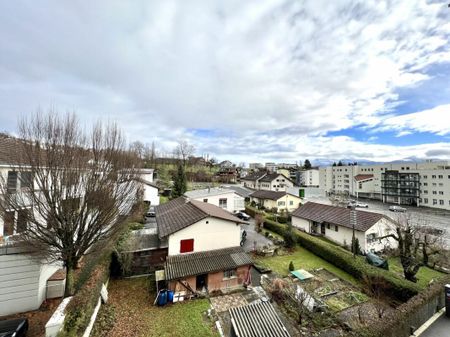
<point>361,204</point>
<point>151,212</point>
<point>17,327</point>
<point>395,208</point>
<point>243,216</point>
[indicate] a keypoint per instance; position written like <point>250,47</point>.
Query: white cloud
<point>243,68</point>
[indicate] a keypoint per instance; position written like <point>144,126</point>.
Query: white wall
<point>151,195</point>
<point>22,283</point>
<point>215,234</point>
<point>235,202</point>
<point>380,229</point>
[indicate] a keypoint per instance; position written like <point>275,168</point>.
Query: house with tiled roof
<point>267,181</point>
<point>276,199</point>
<point>224,198</point>
<point>337,224</point>
<point>204,252</point>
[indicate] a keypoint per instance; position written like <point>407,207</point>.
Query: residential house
<point>337,223</point>
<point>23,279</point>
<point>150,189</point>
<point>226,199</point>
<point>226,164</point>
<point>276,199</point>
<point>267,181</point>
<point>252,180</point>
<point>227,175</point>
<point>204,252</point>
<point>275,182</point>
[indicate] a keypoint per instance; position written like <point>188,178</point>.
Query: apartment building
<point>417,184</point>
<point>308,177</point>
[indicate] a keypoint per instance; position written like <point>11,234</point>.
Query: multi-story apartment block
<point>418,184</point>
<point>308,178</point>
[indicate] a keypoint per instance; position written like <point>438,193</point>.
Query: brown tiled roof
<point>254,176</point>
<point>10,149</point>
<point>337,215</point>
<point>58,275</point>
<point>183,265</point>
<point>270,177</point>
<point>360,177</point>
<point>257,319</point>
<point>272,195</point>
<point>181,213</point>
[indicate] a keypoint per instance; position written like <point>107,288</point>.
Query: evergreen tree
<point>340,163</point>
<point>179,186</point>
<point>291,266</point>
<point>307,165</point>
<point>356,247</point>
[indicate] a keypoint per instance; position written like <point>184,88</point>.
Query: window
<point>336,228</point>
<point>441,176</point>
<point>425,192</point>
<point>186,246</point>
<point>8,227</point>
<point>223,203</point>
<point>205,200</point>
<point>433,176</point>
<point>229,273</point>
<point>425,177</point>
<point>441,202</point>
<point>434,201</point>
<point>434,192</point>
<point>425,184</point>
<point>291,203</point>
<point>281,203</point>
<point>12,181</point>
<point>328,225</point>
<point>22,221</point>
<point>441,192</point>
<point>26,180</point>
<point>425,201</point>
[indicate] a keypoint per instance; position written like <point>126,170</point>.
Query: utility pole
<point>353,221</point>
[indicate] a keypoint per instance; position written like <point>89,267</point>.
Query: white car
<point>397,209</point>
<point>361,204</point>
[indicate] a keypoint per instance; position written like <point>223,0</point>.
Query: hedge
<point>82,305</point>
<point>398,288</point>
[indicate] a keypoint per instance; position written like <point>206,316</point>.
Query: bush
<point>80,308</point>
<point>399,288</point>
<point>135,226</point>
<point>291,266</point>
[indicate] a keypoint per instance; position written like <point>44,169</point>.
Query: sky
<point>248,81</point>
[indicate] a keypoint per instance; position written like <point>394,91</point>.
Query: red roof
<point>360,177</point>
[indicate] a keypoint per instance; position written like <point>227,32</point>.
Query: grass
<point>424,276</point>
<point>163,199</point>
<point>303,259</point>
<point>135,314</point>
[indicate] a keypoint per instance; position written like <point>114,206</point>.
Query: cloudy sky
<point>241,80</point>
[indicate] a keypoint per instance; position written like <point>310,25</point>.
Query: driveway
<point>254,239</point>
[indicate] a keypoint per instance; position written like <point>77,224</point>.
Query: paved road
<point>418,215</point>
<point>440,328</point>
<point>254,238</point>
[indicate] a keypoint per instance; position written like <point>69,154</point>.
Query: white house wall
<point>210,233</point>
<point>151,195</point>
<point>380,229</point>
<point>22,283</point>
<point>235,202</point>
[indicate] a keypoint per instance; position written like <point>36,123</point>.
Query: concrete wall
<point>208,234</point>
<point>22,283</point>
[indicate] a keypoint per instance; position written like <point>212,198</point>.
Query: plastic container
<point>169,296</point>
<point>162,299</point>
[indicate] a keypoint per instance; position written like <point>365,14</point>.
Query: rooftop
<point>254,176</point>
<point>182,212</point>
<point>272,195</point>
<point>360,177</point>
<point>207,192</point>
<point>257,319</point>
<point>337,215</point>
<point>182,265</point>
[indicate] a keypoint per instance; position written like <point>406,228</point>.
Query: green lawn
<point>303,259</point>
<point>424,276</point>
<point>135,314</point>
<point>163,199</point>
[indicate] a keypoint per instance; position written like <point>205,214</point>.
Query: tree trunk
<point>68,290</point>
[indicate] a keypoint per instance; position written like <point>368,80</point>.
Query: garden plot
<point>336,293</point>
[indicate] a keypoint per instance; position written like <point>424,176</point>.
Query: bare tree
<point>415,245</point>
<point>139,148</point>
<point>78,187</point>
<point>183,151</point>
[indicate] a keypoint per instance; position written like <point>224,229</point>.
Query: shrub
<point>80,308</point>
<point>398,288</point>
<point>135,226</point>
<point>291,266</point>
